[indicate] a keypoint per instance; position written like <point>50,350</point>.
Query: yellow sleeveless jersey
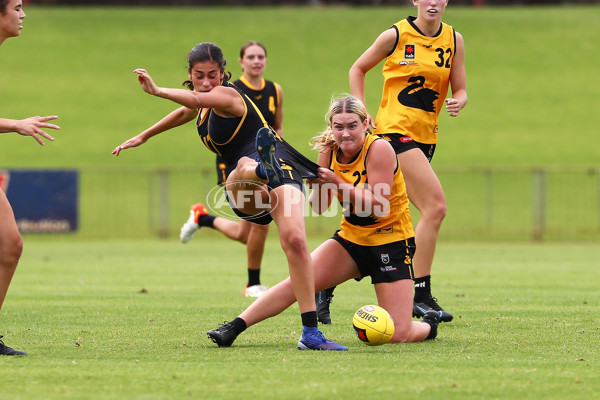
<point>372,229</point>
<point>416,79</point>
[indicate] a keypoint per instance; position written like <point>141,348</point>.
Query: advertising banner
<point>44,201</point>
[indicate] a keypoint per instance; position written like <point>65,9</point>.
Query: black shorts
<point>263,218</point>
<point>223,170</point>
<point>402,143</point>
<point>291,177</point>
<point>295,168</point>
<point>385,263</point>
<point>289,156</point>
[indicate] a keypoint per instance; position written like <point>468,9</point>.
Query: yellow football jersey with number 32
<point>416,79</point>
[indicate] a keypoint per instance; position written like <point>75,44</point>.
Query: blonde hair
<point>344,103</point>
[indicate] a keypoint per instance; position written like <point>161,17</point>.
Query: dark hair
<point>251,43</point>
<point>203,52</point>
<point>3,5</point>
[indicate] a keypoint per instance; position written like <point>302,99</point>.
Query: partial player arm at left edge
<point>31,126</point>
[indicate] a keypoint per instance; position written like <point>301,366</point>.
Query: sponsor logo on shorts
<point>405,139</point>
<point>388,268</point>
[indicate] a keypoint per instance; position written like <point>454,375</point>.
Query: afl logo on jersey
<point>409,51</point>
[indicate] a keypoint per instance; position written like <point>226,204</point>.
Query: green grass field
<point>127,320</point>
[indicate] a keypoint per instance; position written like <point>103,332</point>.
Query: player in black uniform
<point>268,97</point>
<point>231,125</point>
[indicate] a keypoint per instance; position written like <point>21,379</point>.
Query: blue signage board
<point>44,201</point>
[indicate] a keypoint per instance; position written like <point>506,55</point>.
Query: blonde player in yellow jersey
<point>376,235</point>
<point>423,57</point>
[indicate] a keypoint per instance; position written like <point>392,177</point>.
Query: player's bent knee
<point>11,251</point>
<point>441,211</point>
<point>294,242</point>
<point>436,211</point>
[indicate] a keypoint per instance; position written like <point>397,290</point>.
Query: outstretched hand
<point>33,126</point>
<point>133,142</point>
<point>146,82</point>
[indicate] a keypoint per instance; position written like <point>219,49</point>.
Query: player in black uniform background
<point>268,97</point>
<point>231,125</point>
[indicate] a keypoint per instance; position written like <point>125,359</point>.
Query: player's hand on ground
<point>146,82</point>
<point>133,142</point>
<point>452,106</point>
<point>33,126</point>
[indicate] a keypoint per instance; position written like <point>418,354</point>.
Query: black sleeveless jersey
<point>266,98</point>
<point>231,137</point>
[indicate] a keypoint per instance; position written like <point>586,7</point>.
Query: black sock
<point>432,332</point>
<point>422,288</point>
<point>206,220</point>
<point>253,277</point>
<point>432,318</point>
<point>309,319</point>
<point>239,325</point>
